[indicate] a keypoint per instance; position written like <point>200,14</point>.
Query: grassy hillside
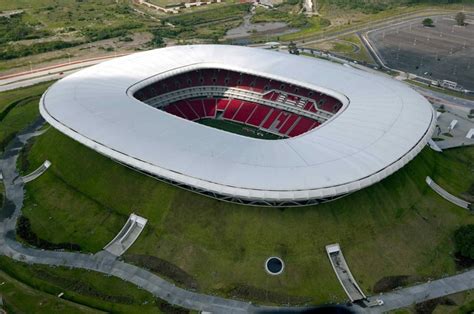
<point>396,227</point>
<point>18,108</point>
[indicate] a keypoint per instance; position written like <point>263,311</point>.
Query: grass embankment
<point>21,298</point>
<point>91,289</point>
<point>396,227</point>
<point>17,109</point>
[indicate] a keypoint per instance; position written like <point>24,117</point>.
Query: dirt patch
<point>245,292</point>
<point>429,306</point>
<point>25,232</point>
<point>163,268</point>
<point>392,282</point>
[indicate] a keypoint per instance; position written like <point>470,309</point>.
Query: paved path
<point>446,195</point>
<point>37,173</point>
<point>427,291</point>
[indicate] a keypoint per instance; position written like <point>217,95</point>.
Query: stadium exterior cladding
<point>382,126</point>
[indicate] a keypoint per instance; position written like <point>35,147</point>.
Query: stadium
<point>243,125</point>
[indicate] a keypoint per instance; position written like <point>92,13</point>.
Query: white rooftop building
<point>382,125</point>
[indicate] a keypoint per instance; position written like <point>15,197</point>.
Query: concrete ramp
<point>338,262</point>
<point>38,172</point>
<point>446,195</point>
<point>127,235</point>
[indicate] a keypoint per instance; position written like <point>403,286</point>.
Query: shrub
<point>464,241</point>
<point>427,22</point>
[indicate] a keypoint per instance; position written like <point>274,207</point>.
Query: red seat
<point>232,109</point>
<point>271,118</point>
<point>174,111</point>
<point>303,125</point>
<point>209,107</point>
<point>197,107</point>
<point>259,115</point>
<point>222,103</point>
<point>288,123</point>
<point>246,109</point>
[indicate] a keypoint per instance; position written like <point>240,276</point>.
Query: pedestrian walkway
<point>446,195</point>
<point>127,235</point>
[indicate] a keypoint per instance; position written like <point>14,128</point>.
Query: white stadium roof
<point>382,126</point>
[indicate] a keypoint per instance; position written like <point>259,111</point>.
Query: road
<point>23,79</point>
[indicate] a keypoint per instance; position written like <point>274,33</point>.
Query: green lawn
<point>94,290</point>
<point>17,109</point>
<point>20,298</point>
<point>237,128</point>
<point>396,227</point>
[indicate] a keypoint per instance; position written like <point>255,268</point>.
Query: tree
<point>428,22</point>
<point>464,241</point>
<point>460,19</point>
<point>293,49</point>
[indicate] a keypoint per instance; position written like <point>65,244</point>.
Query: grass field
<point>237,128</point>
<point>20,298</point>
<point>18,108</point>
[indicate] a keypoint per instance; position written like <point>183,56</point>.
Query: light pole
<point>68,57</point>
<point>31,66</point>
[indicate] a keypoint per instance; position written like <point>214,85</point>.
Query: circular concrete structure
<point>379,124</point>
<point>274,265</point>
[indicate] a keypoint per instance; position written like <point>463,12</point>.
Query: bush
<point>460,19</point>
<point>14,28</point>
<point>464,241</point>
<point>95,34</point>
<point>17,51</point>
<point>427,22</point>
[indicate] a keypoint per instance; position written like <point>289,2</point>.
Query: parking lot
<point>442,52</point>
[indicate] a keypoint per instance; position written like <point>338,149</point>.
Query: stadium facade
<point>337,129</point>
